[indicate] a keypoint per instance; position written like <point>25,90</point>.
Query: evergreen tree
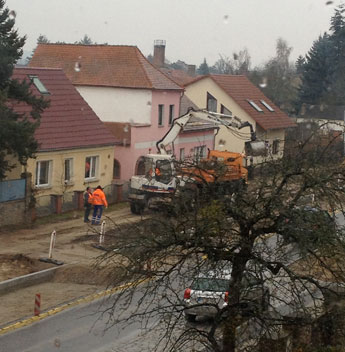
<point>324,69</point>
<point>16,129</point>
<point>86,40</point>
<point>203,69</point>
<point>42,39</point>
<point>336,93</point>
<point>316,73</point>
<point>300,64</point>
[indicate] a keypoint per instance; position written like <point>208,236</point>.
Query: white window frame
<point>199,152</point>
<point>268,107</point>
<point>70,179</point>
<point>94,165</point>
<point>38,171</point>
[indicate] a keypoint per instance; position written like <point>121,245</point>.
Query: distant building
<point>132,97</point>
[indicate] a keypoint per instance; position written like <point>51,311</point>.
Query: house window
<point>275,146</point>
<point>268,107</point>
<point>171,113</point>
<point>91,166</point>
<point>68,170</point>
<point>254,105</point>
<point>224,110</point>
<point>39,85</point>
<point>140,166</point>
<point>199,152</point>
<point>160,114</point>
<point>43,172</point>
<point>211,103</point>
<point>181,154</point>
<point>117,169</point>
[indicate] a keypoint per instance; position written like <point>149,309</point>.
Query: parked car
<point>209,293</point>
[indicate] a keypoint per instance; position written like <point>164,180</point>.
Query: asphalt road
<point>85,328</point>
<point>82,328</point>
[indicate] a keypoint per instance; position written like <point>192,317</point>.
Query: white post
<point>102,233</point>
<point>52,244</point>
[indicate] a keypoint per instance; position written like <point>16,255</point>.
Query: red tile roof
<point>242,90</point>
<point>102,65</point>
<point>69,122</point>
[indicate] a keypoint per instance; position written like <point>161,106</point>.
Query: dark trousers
<point>97,214</point>
<point>87,212</point>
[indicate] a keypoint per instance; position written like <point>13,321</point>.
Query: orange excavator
<point>154,186</point>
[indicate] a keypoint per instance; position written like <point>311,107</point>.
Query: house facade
<point>237,96</point>
<point>75,149</point>
<point>130,96</point>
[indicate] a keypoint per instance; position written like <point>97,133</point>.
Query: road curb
<point>28,280</point>
<point>53,311</point>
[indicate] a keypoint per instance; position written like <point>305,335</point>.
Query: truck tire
<point>137,208</point>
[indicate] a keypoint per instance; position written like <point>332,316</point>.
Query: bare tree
<point>278,230</point>
<point>238,65</point>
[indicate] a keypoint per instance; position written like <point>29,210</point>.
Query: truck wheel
<point>190,317</point>
<point>137,208</point>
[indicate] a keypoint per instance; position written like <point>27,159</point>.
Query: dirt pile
<point>14,265</point>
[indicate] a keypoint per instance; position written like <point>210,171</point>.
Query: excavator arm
<point>179,124</point>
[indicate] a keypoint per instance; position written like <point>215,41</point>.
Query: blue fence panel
<point>12,190</point>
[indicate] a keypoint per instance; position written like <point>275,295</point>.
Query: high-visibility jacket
<point>98,198</point>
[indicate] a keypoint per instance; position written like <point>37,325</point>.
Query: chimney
<point>191,70</point>
<point>159,53</point>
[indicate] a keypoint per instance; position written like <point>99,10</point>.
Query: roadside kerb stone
<point>28,280</point>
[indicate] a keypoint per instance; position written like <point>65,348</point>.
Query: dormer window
<point>267,106</point>
<point>254,105</point>
<point>39,85</point>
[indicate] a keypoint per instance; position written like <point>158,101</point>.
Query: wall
<point>144,138</point>
<point>197,92</point>
<point>105,169</point>
<point>119,104</point>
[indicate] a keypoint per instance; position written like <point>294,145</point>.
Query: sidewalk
<point>21,249</point>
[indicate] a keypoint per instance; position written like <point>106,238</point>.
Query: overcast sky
<point>193,29</point>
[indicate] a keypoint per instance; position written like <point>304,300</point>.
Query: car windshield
<point>210,284</point>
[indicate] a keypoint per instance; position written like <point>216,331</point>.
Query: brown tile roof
<point>69,122</point>
<point>242,90</point>
<point>102,65</point>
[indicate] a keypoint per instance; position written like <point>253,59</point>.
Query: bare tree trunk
<point>233,319</point>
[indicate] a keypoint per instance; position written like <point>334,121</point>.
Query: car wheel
<point>190,317</point>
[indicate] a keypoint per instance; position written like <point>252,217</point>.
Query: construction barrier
<point>102,233</point>
<point>37,309</point>
<point>52,244</point>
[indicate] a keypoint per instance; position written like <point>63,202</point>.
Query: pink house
<point>135,100</point>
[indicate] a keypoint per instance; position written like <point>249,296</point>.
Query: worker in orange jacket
<point>99,201</point>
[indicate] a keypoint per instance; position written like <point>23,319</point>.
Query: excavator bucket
<point>255,148</point>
